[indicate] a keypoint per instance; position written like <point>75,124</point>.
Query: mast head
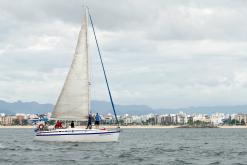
<point>84,5</point>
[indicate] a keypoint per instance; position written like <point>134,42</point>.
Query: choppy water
<point>136,146</point>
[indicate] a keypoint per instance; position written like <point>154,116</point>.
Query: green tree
<point>242,122</point>
<point>235,122</point>
<point>190,121</point>
<point>15,122</point>
<point>25,122</point>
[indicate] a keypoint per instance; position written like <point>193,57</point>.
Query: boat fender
<point>41,126</point>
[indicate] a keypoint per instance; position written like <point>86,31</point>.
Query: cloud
<point>162,53</point>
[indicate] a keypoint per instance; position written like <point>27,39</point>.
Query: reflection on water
<point>136,146</point>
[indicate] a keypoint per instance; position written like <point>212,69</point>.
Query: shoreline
<point>130,127</point>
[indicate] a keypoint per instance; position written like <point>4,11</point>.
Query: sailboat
<point>73,103</point>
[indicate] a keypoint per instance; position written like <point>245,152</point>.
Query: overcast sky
<point>161,53</point>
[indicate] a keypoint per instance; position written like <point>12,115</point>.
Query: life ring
<point>41,126</point>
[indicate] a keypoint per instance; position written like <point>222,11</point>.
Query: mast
<point>84,6</point>
<point>102,64</point>
<point>88,62</point>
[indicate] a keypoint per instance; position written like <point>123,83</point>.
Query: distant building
<point>173,119</point>
<point>108,119</point>
<point>32,116</point>
<point>241,118</point>
<point>137,120</point>
<point>217,118</point>
<point>20,117</point>
<point>182,118</point>
<point>127,119</point>
<point>7,120</point>
<point>201,117</point>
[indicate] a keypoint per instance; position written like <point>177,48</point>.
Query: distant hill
<point>97,106</point>
<point>24,107</point>
<point>213,109</point>
<point>105,107</point>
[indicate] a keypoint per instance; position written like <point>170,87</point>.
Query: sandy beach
<point>233,126</point>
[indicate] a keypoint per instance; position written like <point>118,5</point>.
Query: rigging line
<point>102,64</point>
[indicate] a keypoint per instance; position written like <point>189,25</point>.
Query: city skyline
<point>179,118</point>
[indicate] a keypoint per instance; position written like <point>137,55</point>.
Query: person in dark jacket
<point>89,122</point>
<point>72,125</point>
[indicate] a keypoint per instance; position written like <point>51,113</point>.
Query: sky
<point>161,53</point>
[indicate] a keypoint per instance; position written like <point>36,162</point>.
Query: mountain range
<point>104,107</point>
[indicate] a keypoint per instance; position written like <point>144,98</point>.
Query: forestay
<point>73,102</point>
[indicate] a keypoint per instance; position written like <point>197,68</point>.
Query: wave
<point>2,146</point>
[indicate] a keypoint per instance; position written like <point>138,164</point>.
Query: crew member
<point>97,120</point>
<point>72,125</point>
<point>89,123</point>
<point>58,124</point>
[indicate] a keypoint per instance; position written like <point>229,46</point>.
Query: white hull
<point>78,135</point>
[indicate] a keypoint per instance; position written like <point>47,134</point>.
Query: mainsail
<point>74,102</point>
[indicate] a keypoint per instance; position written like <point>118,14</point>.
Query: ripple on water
<point>184,148</point>
<point>242,153</point>
<point>130,158</point>
<point>162,150</point>
<point>86,157</point>
<point>7,160</point>
<point>179,162</point>
<point>153,146</point>
<point>125,155</point>
<point>2,146</point>
<point>211,153</point>
<point>215,163</point>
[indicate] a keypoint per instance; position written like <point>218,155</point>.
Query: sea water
<point>136,146</point>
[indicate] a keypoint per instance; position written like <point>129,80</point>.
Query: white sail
<point>73,102</point>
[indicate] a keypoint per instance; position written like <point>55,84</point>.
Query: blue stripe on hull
<point>77,134</point>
